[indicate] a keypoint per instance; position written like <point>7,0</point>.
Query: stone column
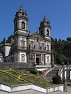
<point>35,57</point>
<point>44,59</point>
<point>18,55</point>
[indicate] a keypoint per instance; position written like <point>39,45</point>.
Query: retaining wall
<point>11,89</point>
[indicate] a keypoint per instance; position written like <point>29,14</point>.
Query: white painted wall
<point>30,87</point>
<point>5,88</point>
<point>7,50</point>
<point>60,88</point>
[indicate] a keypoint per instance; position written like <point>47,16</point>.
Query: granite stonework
<point>23,46</point>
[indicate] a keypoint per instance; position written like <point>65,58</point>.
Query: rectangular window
<point>47,58</point>
<point>37,45</point>
<point>23,25</point>
<point>31,55</point>
<point>32,44</point>
<point>47,47</point>
<point>42,46</point>
<point>22,44</point>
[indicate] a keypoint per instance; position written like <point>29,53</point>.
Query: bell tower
<point>20,35</point>
<point>45,28</point>
<point>21,22</point>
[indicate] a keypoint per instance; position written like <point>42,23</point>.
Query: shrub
<point>56,79</point>
<point>33,71</point>
<point>43,72</point>
<point>6,79</point>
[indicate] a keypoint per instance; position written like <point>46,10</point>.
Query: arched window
<point>23,25</point>
<point>47,32</point>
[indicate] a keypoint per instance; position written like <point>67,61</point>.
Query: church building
<point>24,47</point>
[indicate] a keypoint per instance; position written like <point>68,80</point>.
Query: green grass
<point>17,77</point>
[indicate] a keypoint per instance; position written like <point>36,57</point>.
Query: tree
<point>61,50</point>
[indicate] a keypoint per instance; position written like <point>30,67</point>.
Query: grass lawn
<point>17,77</point>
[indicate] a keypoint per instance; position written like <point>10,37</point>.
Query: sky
<point>58,12</point>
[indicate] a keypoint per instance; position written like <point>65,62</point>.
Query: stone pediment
<point>38,36</point>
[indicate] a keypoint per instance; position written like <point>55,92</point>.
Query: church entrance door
<point>37,59</point>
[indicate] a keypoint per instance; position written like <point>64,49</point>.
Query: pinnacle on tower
<point>44,19</point>
<point>21,9</point>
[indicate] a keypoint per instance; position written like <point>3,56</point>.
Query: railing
<point>40,50</point>
<point>22,48</point>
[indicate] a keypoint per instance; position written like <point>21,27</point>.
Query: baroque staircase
<point>52,72</point>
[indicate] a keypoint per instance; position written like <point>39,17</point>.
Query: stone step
<point>52,73</point>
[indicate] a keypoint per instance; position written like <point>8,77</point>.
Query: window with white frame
<point>22,44</point>
<point>31,44</point>
<point>37,45</point>
<point>47,47</point>
<point>23,25</point>
<point>22,57</point>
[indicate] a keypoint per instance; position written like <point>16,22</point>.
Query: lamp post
<point>52,60</point>
<point>64,80</point>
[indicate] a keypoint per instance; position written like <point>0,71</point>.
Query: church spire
<point>44,19</point>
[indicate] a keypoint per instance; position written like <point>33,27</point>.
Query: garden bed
<point>17,77</point>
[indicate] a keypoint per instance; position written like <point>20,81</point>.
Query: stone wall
<point>16,65</point>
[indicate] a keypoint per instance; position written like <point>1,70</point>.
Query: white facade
<point>24,47</point>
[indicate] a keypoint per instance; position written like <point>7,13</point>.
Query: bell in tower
<point>45,28</point>
<point>21,21</point>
